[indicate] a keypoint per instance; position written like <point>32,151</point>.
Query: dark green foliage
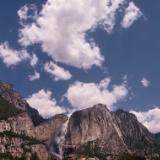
<point>91,150</point>
<point>127,156</point>
<point>35,116</point>
<point>86,150</point>
<point>27,141</point>
<point>157,137</point>
<point>34,157</point>
<point>7,110</point>
<point>8,156</point>
<point>157,143</point>
<point>31,141</point>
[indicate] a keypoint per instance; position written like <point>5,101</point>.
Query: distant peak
<point>122,113</point>
<point>100,106</point>
<point>8,93</point>
<point>6,86</point>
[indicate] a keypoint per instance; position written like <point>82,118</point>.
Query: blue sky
<point>130,53</point>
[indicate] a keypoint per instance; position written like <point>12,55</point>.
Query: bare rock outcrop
<point>95,124</point>
<point>137,137</point>
<point>96,131</point>
<point>23,132</point>
<point>8,93</point>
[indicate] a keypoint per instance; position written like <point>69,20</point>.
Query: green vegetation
<point>27,141</point>
<point>7,110</point>
<point>34,157</point>
<point>157,137</point>
<point>31,141</point>
<point>127,156</point>
<point>8,156</point>
<point>86,150</point>
<point>91,150</point>
<point>157,143</point>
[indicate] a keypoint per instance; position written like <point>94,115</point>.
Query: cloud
<point>132,13</point>
<point>145,82</point>
<point>44,103</point>
<point>35,76</point>
<point>82,95</point>
<point>61,29</point>
<point>12,57</point>
<point>34,60</point>
<point>23,13</point>
<point>57,72</point>
<point>150,119</point>
<point>27,12</point>
<point>104,83</point>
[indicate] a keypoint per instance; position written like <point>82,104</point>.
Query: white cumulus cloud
<point>150,119</point>
<point>12,57</point>
<point>57,72</point>
<point>34,60</point>
<point>23,13</point>
<point>132,13</point>
<point>60,28</point>
<point>44,103</point>
<point>82,95</point>
<point>145,82</point>
<point>28,11</point>
<point>34,76</point>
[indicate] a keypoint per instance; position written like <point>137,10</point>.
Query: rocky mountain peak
<point>8,93</point>
<point>99,106</point>
<point>108,132</point>
<point>124,115</point>
<point>96,125</point>
<point>91,132</point>
<point>24,134</point>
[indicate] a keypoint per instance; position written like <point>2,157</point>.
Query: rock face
<point>157,137</point>
<point>11,96</point>
<point>20,131</point>
<point>110,133</point>
<point>7,92</point>
<point>24,134</point>
<point>94,132</point>
<point>23,125</point>
<point>95,124</point>
<point>137,138</point>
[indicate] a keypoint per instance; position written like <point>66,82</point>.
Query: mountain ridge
<point>93,132</point>
<point>120,132</point>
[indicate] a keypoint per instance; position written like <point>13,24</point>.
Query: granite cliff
<point>24,134</point>
<point>98,132</point>
<point>94,132</point>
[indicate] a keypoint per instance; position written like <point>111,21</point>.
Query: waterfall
<point>58,139</point>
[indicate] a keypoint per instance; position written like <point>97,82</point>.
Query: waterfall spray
<point>57,142</point>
